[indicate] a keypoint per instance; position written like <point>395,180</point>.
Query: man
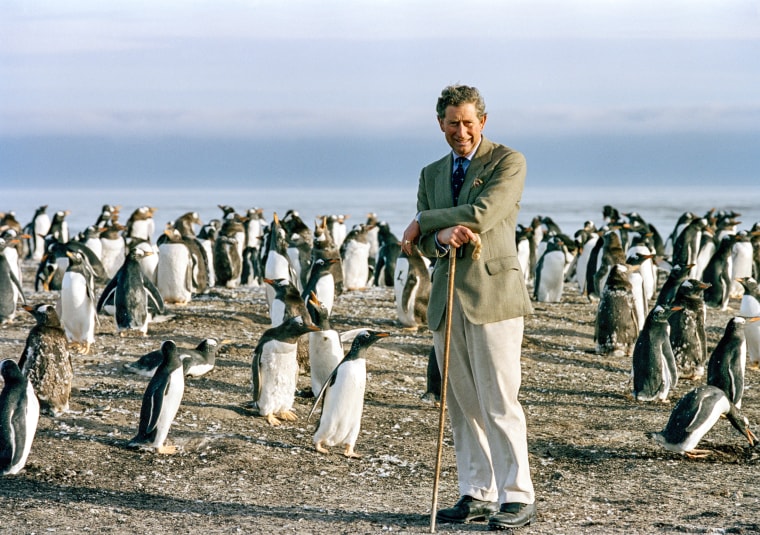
<point>490,300</point>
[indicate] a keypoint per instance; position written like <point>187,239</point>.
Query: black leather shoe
<point>512,515</point>
<point>466,510</point>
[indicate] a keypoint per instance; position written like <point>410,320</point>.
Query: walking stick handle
<point>444,382</point>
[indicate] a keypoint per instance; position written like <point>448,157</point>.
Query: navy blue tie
<point>457,179</point>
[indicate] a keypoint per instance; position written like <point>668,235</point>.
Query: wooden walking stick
<point>444,382</point>
<point>445,372</point>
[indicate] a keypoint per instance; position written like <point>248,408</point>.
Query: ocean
<point>569,207</point>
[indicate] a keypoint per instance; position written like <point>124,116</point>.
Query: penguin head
<point>363,340</point>
<point>741,424</point>
<point>44,314</point>
<point>10,372</point>
<point>750,286</point>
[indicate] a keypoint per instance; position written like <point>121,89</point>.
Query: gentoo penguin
<point>287,302</point>
<point>195,362</point>
<point>388,251</point>
<point>343,398</point>
<point>77,303</point>
<point>678,274</point>
<point>728,361</point>
<point>321,282</point>
<point>688,338</point>
<point>741,263</point>
<point>160,402</point>
<point>717,274</point>
<point>615,327</point>
<point>253,271</point>
<point>200,262</point>
<point>411,289</point>
<point>325,348</point>
<point>300,243</point>
<point>228,263</point>
<point>694,415</point>
<point>274,370</point>
<point>336,225</point>
<point>90,237</point>
<point>355,255</point>
<point>750,308</point>
<point>612,253</point>
<point>174,276</point>
<point>687,244</point>
<point>550,272</point>
<point>141,224</point>
<point>59,227</point>
<point>526,251</point>
<point>135,298</point>
<point>277,263</point>
<point>642,249</point>
<point>114,248</point>
<point>149,260</point>
<point>683,220</point>
<point>373,239</point>
<point>10,286</point>
<point>635,277</point>
<point>108,214</point>
<point>37,229</point>
<point>46,361</point>
<point>207,239</point>
<point>19,414</point>
<point>654,367</point>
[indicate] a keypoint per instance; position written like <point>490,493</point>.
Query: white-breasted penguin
<point>321,282</point>
<point>343,398</point>
<point>694,415</point>
<point>77,303</point>
<point>354,253</point>
<point>616,329</point>
<point>388,251</point>
<point>46,360</point>
<point>274,370</point>
<point>728,361</point>
<point>196,362</point>
<point>114,248</point>
<point>411,289</point>
<point>550,272</point>
<point>325,348</point>
<point>37,229</point>
<point>750,308</point>
<point>688,338</point>
<point>135,298</point>
<point>161,402</point>
<point>10,286</point>
<point>277,262</point>
<point>19,414</point>
<point>174,275</point>
<point>717,273</point>
<point>654,368</point>
<point>741,263</point>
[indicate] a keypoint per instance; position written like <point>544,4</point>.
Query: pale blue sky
<point>91,88</point>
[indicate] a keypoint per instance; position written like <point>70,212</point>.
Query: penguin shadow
<point>591,454</point>
<point>548,397</point>
<point>544,355</point>
<point>23,487</point>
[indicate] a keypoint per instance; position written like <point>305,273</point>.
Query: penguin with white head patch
<point>654,367</point>
<point>688,337</point>
<point>161,402</point>
<point>46,360</point>
<point>694,415</point>
<point>196,362</point>
<point>77,303</point>
<point>343,398</point>
<point>550,272</point>
<point>728,361</point>
<point>19,415</point>
<point>135,298</point>
<point>750,308</point>
<point>274,370</point>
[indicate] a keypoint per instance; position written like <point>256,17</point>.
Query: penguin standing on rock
<point>19,414</point>
<point>133,295</point>
<point>728,361</point>
<point>688,337</point>
<point>46,361</point>
<point>343,398</point>
<point>274,370</point>
<point>654,367</point>
<point>615,327</point>
<point>161,402</point>
<point>750,308</point>
<point>694,415</point>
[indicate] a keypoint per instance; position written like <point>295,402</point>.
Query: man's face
<point>462,128</point>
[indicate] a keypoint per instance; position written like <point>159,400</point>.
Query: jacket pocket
<point>501,263</point>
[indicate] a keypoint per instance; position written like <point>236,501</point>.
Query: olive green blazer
<point>492,288</point>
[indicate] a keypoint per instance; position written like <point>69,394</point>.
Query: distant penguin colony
<point>650,300</point>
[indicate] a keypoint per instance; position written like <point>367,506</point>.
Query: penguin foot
<point>320,448</point>
<point>697,454</point>
<point>166,449</point>
<point>289,416</point>
<point>272,419</point>
<point>350,453</point>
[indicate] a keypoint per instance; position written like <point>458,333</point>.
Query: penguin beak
<point>752,319</point>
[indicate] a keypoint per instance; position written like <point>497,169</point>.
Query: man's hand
<point>411,236</point>
<point>456,236</point>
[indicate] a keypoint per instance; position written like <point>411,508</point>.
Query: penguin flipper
<point>151,409</point>
<point>256,373</point>
<point>15,281</point>
<point>155,300</point>
<point>108,293</point>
